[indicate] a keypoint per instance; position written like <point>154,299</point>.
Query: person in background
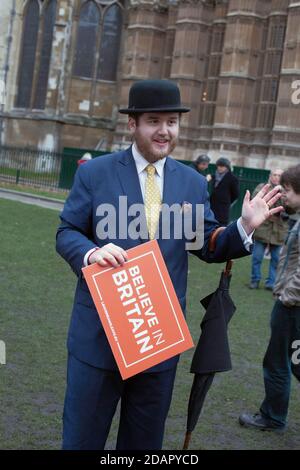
<point>85,158</point>
<point>282,358</point>
<point>225,190</point>
<point>269,235</point>
<point>201,164</point>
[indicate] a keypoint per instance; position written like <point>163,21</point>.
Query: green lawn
<point>36,299</point>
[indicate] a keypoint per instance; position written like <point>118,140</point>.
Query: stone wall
<point>226,56</point>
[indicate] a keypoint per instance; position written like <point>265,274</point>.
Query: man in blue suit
<point>145,174</point>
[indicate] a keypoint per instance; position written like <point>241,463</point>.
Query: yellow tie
<point>152,201</point>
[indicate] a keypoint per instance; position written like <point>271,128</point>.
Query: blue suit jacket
<point>103,180</point>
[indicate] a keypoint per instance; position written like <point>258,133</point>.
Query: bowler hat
<point>159,96</point>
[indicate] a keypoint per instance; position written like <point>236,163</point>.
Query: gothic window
<point>266,116</point>
<point>85,51</point>
<point>208,114</point>
<point>264,113</point>
<point>273,63</point>
<point>264,38</point>
<point>48,22</point>
<point>260,67</point>
<point>110,43</point>
<point>214,66</point>
<point>200,116</point>
<point>266,94</point>
<point>27,55</point>
<point>218,41</point>
<point>209,95</point>
<point>257,91</point>
<point>35,54</point>
<point>212,90</point>
<point>270,89</point>
<point>277,36</point>
<point>255,109</point>
<point>98,35</point>
<point>270,116</point>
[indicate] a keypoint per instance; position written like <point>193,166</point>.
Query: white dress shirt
<point>141,165</point>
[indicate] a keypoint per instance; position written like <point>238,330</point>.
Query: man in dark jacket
<point>225,190</point>
<point>201,164</point>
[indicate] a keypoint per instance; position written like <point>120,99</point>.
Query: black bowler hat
<point>159,96</point>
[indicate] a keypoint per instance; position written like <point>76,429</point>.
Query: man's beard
<point>151,154</point>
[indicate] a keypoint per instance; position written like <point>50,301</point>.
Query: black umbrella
<point>212,353</point>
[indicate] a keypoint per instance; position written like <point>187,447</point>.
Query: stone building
<point>67,65</point>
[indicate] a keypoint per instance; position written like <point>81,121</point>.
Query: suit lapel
<point>170,183</point>
<point>129,179</point>
<point>130,184</point>
<point>171,195</point>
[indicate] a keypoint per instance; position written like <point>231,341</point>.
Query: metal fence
<point>30,166</point>
<point>46,169</point>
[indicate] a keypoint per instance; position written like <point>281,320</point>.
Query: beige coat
<point>287,284</point>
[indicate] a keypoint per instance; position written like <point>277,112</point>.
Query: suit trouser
<point>279,363</point>
<point>91,399</point>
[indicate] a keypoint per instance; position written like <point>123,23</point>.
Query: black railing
<point>30,166</point>
<point>46,169</point>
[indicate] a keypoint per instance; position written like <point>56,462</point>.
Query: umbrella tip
<point>187,440</point>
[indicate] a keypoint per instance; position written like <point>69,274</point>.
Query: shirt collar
<point>142,163</point>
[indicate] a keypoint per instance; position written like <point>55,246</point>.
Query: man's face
<point>202,166</point>
<point>290,198</point>
<point>275,177</point>
<point>155,134</point>
<point>221,168</point>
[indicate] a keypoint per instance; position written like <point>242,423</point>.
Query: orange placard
<point>139,310</point>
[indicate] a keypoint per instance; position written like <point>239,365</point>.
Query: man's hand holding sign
<point>142,319</point>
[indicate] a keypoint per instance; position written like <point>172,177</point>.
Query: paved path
<point>26,198</point>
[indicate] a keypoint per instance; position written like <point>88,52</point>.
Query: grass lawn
<point>36,298</point>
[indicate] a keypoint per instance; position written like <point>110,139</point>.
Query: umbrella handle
<point>228,267</point>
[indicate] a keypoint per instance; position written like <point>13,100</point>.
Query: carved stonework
<point>154,5</point>
<point>210,3</point>
<point>234,61</point>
